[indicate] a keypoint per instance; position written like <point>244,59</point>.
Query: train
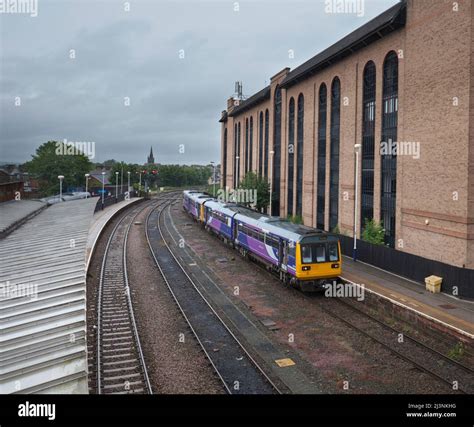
<point>304,257</point>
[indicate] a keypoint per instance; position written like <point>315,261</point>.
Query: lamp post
<point>128,187</point>
<point>271,179</point>
<point>116,186</point>
<point>60,177</point>
<point>214,179</point>
<point>140,185</point>
<point>121,181</point>
<point>356,198</point>
<point>87,175</point>
<point>103,189</point>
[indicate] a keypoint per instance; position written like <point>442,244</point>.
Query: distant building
<point>151,159</point>
<point>11,183</point>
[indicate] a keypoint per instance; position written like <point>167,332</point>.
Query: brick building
<point>402,81</point>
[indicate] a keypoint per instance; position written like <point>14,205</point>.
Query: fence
<point>455,279</point>
<point>110,200</point>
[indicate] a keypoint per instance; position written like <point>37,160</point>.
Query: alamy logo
<point>28,7</point>
<point>239,195</point>
<point>28,409</point>
<point>74,148</point>
<point>354,7</point>
<point>344,290</point>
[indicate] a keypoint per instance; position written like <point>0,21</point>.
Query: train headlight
<point>335,266</point>
<point>306,268</point>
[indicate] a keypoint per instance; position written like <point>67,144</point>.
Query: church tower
<point>151,159</point>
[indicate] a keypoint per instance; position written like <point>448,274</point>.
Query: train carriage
<point>302,256</point>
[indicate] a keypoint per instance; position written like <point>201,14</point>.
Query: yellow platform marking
<point>283,363</point>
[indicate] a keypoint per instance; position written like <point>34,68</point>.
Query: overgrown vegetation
<point>373,232</point>
<point>253,182</point>
<point>295,219</point>
<point>456,352</point>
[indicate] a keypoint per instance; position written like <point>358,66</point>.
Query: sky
<point>128,75</point>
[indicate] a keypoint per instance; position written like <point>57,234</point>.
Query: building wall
<point>435,193</point>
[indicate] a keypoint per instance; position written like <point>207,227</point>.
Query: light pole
<point>140,185</point>
<point>214,179</point>
<point>87,175</point>
<point>116,186</point>
<point>271,179</point>
<point>128,188</point>
<point>60,177</point>
<point>356,198</point>
<point>121,181</point>
<point>103,189</point>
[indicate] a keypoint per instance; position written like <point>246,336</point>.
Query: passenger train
<point>304,257</point>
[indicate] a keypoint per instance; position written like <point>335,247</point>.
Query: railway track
<point>435,363</point>
<point>121,367</point>
<point>238,371</point>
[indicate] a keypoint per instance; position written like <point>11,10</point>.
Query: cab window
<point>333,252</point>
<point>306,254</point>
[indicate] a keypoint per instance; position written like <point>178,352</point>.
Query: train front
<point>318,261</point>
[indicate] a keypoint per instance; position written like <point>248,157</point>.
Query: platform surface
<point>450,311</point>
<point>100,220</point>
<point>14,211</point>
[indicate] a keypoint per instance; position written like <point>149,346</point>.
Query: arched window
<point>291,153</point>
<point>368,144</point>
<point>275,209</point>
<point>260,144</point>
<point>236,155</point>
<point>251,145</point>
<point>246,146</point>
<point>224,160</point>
<point>389,140</point>
<point>321,178</point>
<point>266,151</point>
<point>299,154</point>
<point>334,159</point>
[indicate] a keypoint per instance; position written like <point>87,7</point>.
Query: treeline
<point>182,175</point>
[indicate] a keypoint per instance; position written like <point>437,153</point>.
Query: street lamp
<point>271,179</point>
<point>214,180</point>
<point>128,188</point>
<point>116,186</point>
<point>103,190</point>
<point>60,177</point>
<point>87,175</point>
<point>356,197</point>
<point>140,185</point>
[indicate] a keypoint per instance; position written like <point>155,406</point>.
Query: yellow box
<point>433,284</point>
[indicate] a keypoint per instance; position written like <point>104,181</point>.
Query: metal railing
<point>110,200</point>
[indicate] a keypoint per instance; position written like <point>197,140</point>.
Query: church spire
<point>151,159</point>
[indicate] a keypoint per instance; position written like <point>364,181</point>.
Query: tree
<point>253,182</point>
<point>50,161</point>
<point>373,232</point>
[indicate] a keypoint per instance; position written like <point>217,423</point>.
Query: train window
<point>333,252</point>
<point>306,255</point>
<point>320,253</point>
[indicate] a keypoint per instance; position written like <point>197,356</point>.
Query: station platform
<point>100,220</point>
<point>447,311</point>
<point>15,212</point>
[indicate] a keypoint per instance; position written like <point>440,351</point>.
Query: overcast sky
<point>136,54</point>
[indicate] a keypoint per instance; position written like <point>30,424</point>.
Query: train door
<point>284,255</point>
